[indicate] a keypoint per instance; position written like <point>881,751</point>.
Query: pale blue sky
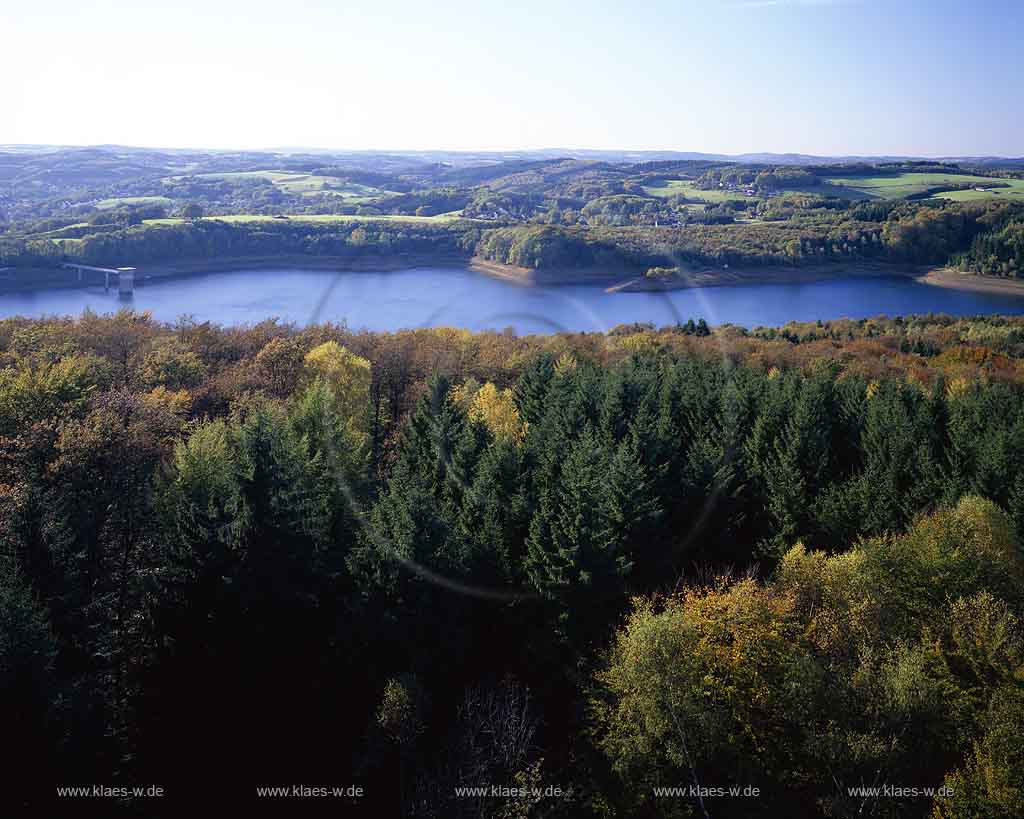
<point>927,77</point>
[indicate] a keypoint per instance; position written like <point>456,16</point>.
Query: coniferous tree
<point>419,576</point>
<point>531,389</point>
<point>577,551</point>
<point>797,464</point>
<point>491,523</point>
<point>246,595</point>
<point>28,688</point>
<point>901,473</point>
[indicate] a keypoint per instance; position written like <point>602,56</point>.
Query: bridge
<point>125,275</point>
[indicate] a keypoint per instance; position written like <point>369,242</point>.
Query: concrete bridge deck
<point>125,275</point>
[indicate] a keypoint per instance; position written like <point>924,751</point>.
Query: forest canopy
<point>597,564</point>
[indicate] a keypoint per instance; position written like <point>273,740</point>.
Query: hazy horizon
<point>320,149</point>
<point>818,77</point>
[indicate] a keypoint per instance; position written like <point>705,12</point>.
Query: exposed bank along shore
<point>613,279</point>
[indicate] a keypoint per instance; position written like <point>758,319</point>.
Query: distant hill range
<point>764,158</point>
<point>464,158</point>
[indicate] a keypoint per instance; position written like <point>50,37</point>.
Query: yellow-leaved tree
<point>348,376</point>
<point>494,408</point>
<point>336,386</point>
<point>714,680</point>
<point>896,661</point>
<point>497,409</point>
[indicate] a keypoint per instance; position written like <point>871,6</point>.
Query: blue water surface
<point>447,296</point>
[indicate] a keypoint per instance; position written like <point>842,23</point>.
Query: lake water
<point>430,297</point>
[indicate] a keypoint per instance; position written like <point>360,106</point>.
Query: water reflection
<point>457,297</point>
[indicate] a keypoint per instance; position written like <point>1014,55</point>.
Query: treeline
<point>543,248</point>
<point>796,230</point>
<point>862,169</point>
<point>488,204</point>
<point>239,194</point>
<point>760,179</point>
<point>624,231</point>
<point>432,560</point>
<point>422,203</point>
<point>371,179</point>
<point>997,252</point>
<point>208,239</point>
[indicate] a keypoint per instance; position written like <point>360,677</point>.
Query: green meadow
<point>899,186</point>
<point>242,218</point>
<point>116,202</point>
<point>686,187</point>
<point>1014,192</point>
<point>305,184</point>
<point>910,184</point>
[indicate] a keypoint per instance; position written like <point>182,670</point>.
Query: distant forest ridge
<point>538,210</point>
<point>606,155</point>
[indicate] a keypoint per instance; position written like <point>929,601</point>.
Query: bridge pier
<point>125,276</point>
<point>125,281</point>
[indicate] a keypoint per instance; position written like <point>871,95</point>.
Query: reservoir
<point>448,296</point>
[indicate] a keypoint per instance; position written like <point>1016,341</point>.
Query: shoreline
<point>625,281</point>
<point>530,277</point>
<point>55,278</point>
<point>953,279</point>
<point>341,264</point>
<point>741,277</point>
<point>613,280</point>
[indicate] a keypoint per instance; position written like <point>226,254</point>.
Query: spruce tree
<point>531,389</point>
<point>573,555</point>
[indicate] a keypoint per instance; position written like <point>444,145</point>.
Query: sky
<point>830,77</point>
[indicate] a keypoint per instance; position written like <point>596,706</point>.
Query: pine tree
<point>902,471</point>
<point>631,505</point>
<point>573,557</point>
<point>28,686</point>
<point>531,389</point>
<point>419,570</point>
<point>439,447</point>
<point>243,608</point>
<point>337,456</point>
<point>490,524</point>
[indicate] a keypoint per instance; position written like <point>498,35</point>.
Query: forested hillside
<point>597,565</point>
<point>140,208</point>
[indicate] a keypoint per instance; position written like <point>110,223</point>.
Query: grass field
<point>107,204</point>
<point>871,187</point>
<point>686,188</point>
<point>908,184</point>
<point>1014,193</point>
<point>58,230</point>
<point>304,184</point>
<point>318,218</point>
